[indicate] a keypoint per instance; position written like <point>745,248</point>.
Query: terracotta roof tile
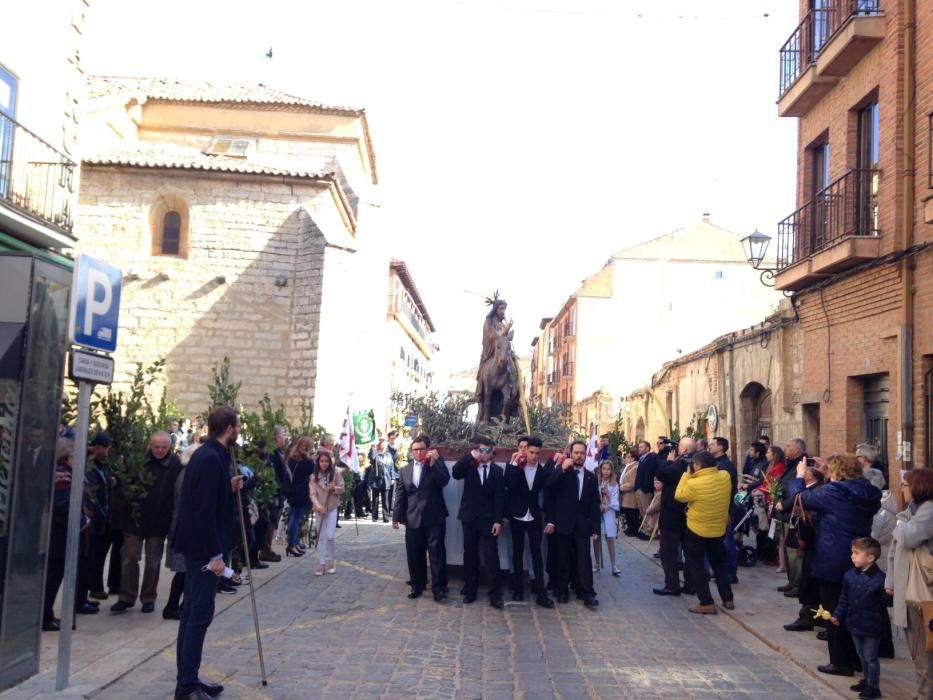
<point>206,91</point>
<point>160,155</point>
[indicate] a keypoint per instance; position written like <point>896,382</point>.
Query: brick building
<point>241,219</point>
<point>856,253</point>
<point>590,347</point>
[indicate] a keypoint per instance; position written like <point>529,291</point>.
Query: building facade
<point>41,85</point>
<point>409,336</point>
<point>648,303</point>
<point>741,385</point>
<point>856,253</point>
<point>240,217</point>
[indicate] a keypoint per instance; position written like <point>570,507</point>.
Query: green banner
<point>364,426</point>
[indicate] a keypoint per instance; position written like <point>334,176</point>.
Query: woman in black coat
<point>300,467</point>
<point>845,507</point>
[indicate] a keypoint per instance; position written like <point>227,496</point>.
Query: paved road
<point>355,635</point>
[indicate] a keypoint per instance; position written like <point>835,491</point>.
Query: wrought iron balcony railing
<point>35,178</point>
<point>847,207</point>
<point>814,32</point>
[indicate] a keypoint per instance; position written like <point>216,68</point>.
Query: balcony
<point>836,230</point>
<point>824,47</point>
<point>36,187</point>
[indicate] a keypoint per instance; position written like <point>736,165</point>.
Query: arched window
<point>168,225</point>
<point>171,233</point>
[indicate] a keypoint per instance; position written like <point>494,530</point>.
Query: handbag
<point>798,515</point>
<point>920,588</point>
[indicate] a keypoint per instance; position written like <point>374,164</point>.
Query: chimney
<point>706,217</point>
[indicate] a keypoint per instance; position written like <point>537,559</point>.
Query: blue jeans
<point>196,616</point>
<point>298,516</point>
<point>867,648</point>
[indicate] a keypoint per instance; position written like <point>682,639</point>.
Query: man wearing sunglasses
<point>419,504</point>
<point>482,505</point>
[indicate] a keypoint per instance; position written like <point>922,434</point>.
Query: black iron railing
<point>814,32</point>
<point>847,207</point>
<point>35,178</point>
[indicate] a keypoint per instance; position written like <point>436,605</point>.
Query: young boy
<point>861,610</point>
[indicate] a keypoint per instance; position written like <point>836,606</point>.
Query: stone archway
<point>754,414</point>
<point>640,429</point>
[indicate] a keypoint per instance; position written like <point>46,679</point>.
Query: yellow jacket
<point>707,493</point>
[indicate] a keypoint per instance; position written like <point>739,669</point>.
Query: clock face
<point>712,417</point>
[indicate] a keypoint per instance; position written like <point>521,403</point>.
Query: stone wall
<point>222,298</point>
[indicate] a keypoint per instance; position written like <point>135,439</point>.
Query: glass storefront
<point>33,331</point>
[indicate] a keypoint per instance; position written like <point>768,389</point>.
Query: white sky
<point>519,142</point>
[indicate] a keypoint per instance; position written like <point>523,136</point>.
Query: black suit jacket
<point>673,516</point>
<point>573,514</point>
<point>480,503</point>
<point>519,498</point>
<point>205,526</point>
<point>422,505</point>
<point>647,468</point>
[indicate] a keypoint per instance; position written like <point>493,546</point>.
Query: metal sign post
<point>74,532</point>
<point>93,320</point>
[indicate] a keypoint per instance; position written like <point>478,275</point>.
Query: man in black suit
<point>673,519</point>
<point>644,481</point>
<point>204,531</point>
<point>525,479</point>
<point>482,508</point>
<point>419,505</point>
<point>576,516</point>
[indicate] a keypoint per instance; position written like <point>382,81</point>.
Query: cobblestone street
<point>355,635</point>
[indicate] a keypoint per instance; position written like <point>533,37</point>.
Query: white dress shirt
<point>579,471</point>
<point>416,474</point>
<point>530,480</point>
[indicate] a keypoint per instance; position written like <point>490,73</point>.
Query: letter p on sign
<point>95,304</point>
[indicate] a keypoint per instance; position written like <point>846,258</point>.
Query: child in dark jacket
<point>861,609</point>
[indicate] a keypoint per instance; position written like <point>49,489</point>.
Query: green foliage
<point>130,419</point>
<point>617,440</point>
<point>444,419</point>
<point>696,429</point>
<point>223,390</point>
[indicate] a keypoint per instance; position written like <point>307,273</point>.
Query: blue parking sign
<point>95,304</point>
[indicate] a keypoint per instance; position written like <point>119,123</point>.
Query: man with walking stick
<point>203,532</point>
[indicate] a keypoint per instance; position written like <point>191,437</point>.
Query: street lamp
<point>756,245</point>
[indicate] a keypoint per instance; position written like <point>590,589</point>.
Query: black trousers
<point>98,545</point>
<point>377,495</point>
<point>809,589</point>
<point>632,521</point>
<point>534,529</point>
<point>696,551</point>
<point>573,561</point>
<point>670,542</point>
<point>115,569</point>
<point>475,538</point>
<point>841,648</point>
<point>422,542</point>
<point>551,563</point>
<point>54,573</point>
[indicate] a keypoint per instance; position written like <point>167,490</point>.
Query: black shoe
<point>258,565</point>
<point>591,602</point>
<point>171,614</point>
<point>859,687</point>
<point>211,689</point>
<point>664,591</point>
<point>656,555</point>
<point>688,591</point>
<point>95,603</point>
<point>544,601</point>
<point>518,596</point>
<point>120,607</point>
<point>87,609</point>
<point>469,598</point>
<point>822,635</point>
<point>98,595</point>
<point>463,591</point>
<point>52,625</point>
<point>193,695</point>
<point>148,607</point>
<point>786,587</point>
<point>415,593</point>
<point>496,602</point>
<point>338,525</point>
<point>792,593</point>
<point>870,693</point>
<point>734,580</point>
<point>832,670</point>
<point>439,597</point>
<point>226,587</point>
<point>563,599</point>
<point>798,626</point>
